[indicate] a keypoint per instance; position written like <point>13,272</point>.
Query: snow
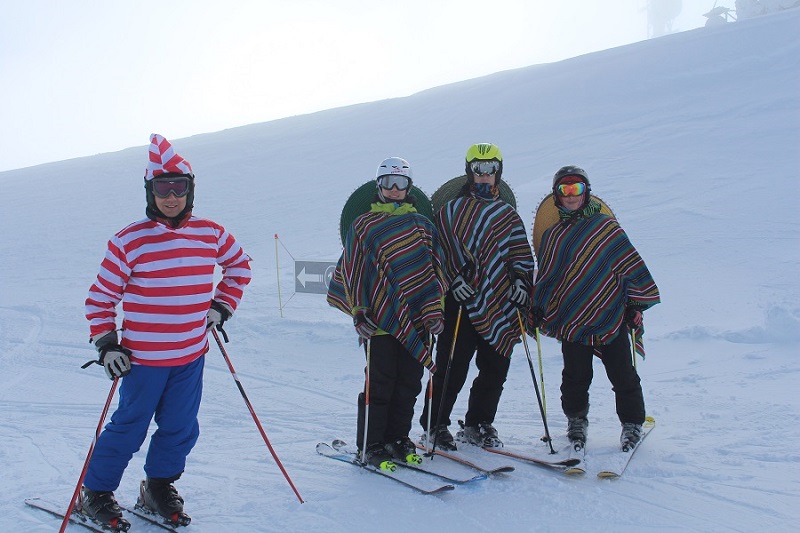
<point>692,139</point>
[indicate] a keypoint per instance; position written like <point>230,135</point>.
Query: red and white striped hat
<point>163,159</point>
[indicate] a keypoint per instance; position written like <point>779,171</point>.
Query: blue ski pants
<point>172,395</point>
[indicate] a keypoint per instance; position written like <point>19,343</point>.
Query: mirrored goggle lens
<point>394,180</point>
<point>484,167</point>
<point>179,186</point>
<point>571,189</point>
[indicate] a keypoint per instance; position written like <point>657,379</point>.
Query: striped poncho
<point>391,265</point>
<point>588,272</point>
<point>489,236</point>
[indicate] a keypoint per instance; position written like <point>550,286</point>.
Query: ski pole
<point>541,370</point>
<point>430,397</point>
<point>633,347</point>
<point>76,494</point>
<point>446,376</point>
<point>253,413</point>
<point>366,406</point>
<point>535,386</point>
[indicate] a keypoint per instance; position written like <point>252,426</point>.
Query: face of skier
<point>394,194</point>
<point>171,206</point>
<point>571,192</point>
<point>485,171</point>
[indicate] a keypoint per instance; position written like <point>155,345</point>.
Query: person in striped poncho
<point>592,286</point>
<point>489,272</point>
<point>161,269</point>
<point>389,280</point>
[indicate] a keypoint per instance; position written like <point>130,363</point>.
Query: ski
<point>152,518</point>
<point>616,464</point>
<point>576,453</point>
<point>426,466</point>
<point>406,477</point>
<point>560,465</point>
<point>76,517</point>
<point>459,458</point>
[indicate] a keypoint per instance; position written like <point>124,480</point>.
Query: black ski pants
<point>395,381</point>
<point>577,377</point>
<point>484,396</point>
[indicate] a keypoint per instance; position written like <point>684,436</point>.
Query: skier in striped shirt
<point>489,272</point>
<point>592,286</point>
<point>162,271</point>
<point>389,280</point>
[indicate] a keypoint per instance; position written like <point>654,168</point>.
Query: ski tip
<point>607,475</point>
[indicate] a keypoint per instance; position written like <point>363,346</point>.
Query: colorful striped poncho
<point>489,236</point>
<point>391,265</point>
<point>588,272</point>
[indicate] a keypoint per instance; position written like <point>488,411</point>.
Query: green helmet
<point>484,152</point>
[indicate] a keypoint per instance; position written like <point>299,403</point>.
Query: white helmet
<point>394,165</point>
<point>393,172</point>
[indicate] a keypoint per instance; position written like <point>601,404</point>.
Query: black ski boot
<point>159,496</point>
<point>483,435</point>
<point>577,428</point>
<point>631,435</point>
<point>378,456</point>
<point>404,450</point>
<point>442,437</point>
<point>102,508</point>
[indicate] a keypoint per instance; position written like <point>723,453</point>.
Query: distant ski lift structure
<point>719,15</point>
<point>660,15</point>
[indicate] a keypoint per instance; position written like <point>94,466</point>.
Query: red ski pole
<point>253,413</point>
<point>76,494</point>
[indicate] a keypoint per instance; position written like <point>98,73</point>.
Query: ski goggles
<point>394,180</point>
<point>177,185</point>
<point>571,189</point>
<point>484,167</point>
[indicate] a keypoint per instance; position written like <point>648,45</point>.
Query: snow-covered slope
<point>693,141</point>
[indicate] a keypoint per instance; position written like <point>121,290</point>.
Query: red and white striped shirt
<point>165,279</point>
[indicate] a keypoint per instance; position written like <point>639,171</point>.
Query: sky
<point>86,77</point>
<point>679,161</point>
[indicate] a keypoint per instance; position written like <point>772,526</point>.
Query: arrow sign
<point>313,276</point>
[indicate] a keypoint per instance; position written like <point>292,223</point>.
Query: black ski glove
<point>536,318</point>
<point>634,316</point>
<point>364,323</point>
<point>218,313</point>
<point>115,359</point>
<point>518,294</point>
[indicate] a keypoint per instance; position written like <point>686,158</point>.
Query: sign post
<point>313,276</point>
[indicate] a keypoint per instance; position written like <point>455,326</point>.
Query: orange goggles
<point>571,189</point>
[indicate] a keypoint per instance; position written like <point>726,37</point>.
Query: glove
<point>518,294</point>
<point>218,313</point>
<point>435,325</point>
<point>115,359</point>
<point>633,316</point>
<point>461,290</point>
<point>364,323</point>
<point>536,318</point>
